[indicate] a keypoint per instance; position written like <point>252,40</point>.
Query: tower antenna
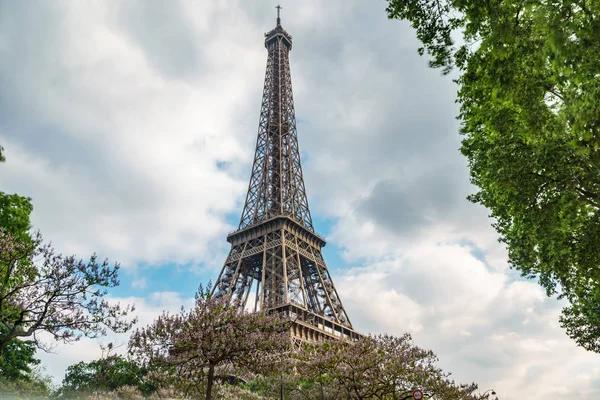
<point>278,18</point>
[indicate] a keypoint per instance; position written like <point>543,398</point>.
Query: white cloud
<point>140,283</point>
<point>471,316</point>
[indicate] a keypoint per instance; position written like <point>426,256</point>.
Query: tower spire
<point>275,249</point>
<point>278,18</point>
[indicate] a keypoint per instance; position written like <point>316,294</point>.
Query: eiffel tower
<point>275,264</point>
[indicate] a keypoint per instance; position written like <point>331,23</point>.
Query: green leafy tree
<point>14,216</point>
<point>104,375</point>
<point>17,359</point>
<point>529,89</point>
<point>15,213</point>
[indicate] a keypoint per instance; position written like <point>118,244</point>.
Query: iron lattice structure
<point>275,263</point>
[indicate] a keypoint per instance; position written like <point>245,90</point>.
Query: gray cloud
<point>374,102</point>
<point>407,205</point>
<point>166,35</point>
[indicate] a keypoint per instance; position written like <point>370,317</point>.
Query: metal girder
<point>288,270</point>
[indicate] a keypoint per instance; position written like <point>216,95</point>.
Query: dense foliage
<point>529,76</point>
<point>107,374</point>
<point>14,216</point>
<point>17,358</point>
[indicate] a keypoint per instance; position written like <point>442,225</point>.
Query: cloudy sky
<point>131,125</point>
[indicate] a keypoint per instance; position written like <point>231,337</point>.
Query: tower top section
<point>276,186</point>
<point>278,33</point>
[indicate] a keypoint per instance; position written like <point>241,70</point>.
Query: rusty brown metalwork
<point>275,249</point>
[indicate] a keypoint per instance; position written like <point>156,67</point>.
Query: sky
<point>132,126</point>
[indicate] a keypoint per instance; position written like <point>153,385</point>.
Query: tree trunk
<point>211,378</point>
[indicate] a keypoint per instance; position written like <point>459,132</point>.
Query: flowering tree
<point>187,350</point>
<point>380,367</point>
<point>41,291</point>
